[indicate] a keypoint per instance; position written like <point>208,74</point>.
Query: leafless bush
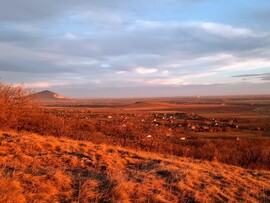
<point>19,111</point>
<point>15,106</point>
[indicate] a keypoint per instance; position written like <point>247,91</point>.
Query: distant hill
<point>48,95</point>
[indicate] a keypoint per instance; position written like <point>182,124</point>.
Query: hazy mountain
<point>48,95</point>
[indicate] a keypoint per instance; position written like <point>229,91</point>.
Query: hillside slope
<point>33,168</point>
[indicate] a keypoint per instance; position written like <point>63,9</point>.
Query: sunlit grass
<point>61,170</point>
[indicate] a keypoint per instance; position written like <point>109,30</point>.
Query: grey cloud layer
<point>32,10</point>
<point>263,76</point>
<point>141,44</point>
<point>104,42</point>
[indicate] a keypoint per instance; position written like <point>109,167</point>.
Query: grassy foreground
<point>34,168</point>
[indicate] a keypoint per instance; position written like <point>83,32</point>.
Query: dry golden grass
<point>34,168</point>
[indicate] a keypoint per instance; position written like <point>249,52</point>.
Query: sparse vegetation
<point>57,169</point>
<point>15,106</point>
<point>20,112</point>
<point>50,169</point>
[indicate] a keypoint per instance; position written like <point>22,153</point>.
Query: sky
<point>124,48</point>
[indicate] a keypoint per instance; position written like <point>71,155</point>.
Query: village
<point>180,124</point>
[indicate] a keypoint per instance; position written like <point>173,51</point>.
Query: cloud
<point>121,72</point>
<point>262,76</point>
<point>32,10</point>
<point>249,75</point>
<point>247,64</point>
<point>165,72</point>
<point>114,42</point>
<point>142,70</point>
<point>167,81</point>
<point>19,33</point>
<point>70,36</point>
<point>228,31</point>
<point>157,45</point>
<point>42,84</point>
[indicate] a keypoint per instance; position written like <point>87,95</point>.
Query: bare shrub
<point>15,106</point>
<point>19,111</point>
